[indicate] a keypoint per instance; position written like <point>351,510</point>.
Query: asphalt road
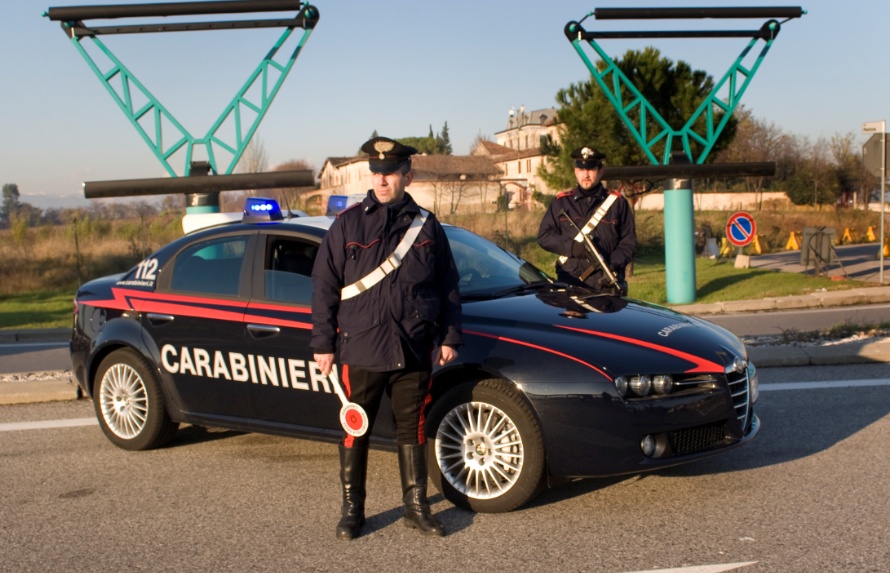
<point>807,320</point>
<point>807,495</point>
<point>34,357</point>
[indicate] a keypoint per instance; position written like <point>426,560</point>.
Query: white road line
<point>701,568</point>
<point>823,385</point>
<point>47,424</point>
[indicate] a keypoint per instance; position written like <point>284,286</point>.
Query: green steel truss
<point>636,112</point>
<point>151,118</point>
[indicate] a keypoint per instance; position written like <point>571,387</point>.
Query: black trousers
<point>409,392</point>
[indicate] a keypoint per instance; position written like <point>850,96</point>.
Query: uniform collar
<point>596,192</point>
<point>370,204</point>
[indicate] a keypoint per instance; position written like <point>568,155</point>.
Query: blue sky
<point>397,66</point>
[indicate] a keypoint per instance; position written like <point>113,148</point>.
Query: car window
<point>287,270</point>
<point>485,268</point>
<point>210,267</point>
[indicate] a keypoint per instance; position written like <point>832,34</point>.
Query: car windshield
<point>488,271</point>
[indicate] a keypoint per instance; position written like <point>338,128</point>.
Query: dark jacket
<point>615,236</point>
<point>417,303</point>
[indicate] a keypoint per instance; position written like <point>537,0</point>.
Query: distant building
<point>443,183</point>
<point>506,168</point>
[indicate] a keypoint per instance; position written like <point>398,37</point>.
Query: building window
<point>519,167</point>
<point>528,165</point>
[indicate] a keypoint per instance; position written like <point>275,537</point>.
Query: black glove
<point>579,251</point>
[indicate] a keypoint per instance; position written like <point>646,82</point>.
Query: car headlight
<point>662,384</point>
<point>621,386</point>
<point>753,383</point>
<point>641,385</point>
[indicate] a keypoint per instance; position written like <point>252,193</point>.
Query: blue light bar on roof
<point>261,209</point>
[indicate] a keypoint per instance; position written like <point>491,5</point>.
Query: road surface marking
<point>48,424</point>
<point>701,568</point>
<point>823,385</point>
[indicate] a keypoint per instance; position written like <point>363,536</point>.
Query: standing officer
<point>386,313</point>
<point>603,215</point>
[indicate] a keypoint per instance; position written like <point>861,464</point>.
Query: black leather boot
<point>412,467</point>
<point>353,469</point>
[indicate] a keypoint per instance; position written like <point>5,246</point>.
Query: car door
<point>278,326</point>
<point>196,324</point>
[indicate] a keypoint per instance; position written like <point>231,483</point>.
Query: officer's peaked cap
<point>386,155</point>
<point>587,158</point>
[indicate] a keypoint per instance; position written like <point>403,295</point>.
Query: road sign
<point>871,154</point>
<point>741,229</point>
<point>873,127</point>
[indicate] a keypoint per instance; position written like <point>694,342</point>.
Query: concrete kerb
<point>826,299</point>
<point>33,391</point>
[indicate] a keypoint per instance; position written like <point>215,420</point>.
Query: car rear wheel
<point>486,452</point>
<point>129,404</point>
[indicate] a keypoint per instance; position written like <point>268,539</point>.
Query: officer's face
<point>588,178</point>
<point>390,187</point>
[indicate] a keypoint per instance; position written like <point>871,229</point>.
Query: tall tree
<point>445,141</point>
<point>848,168</point>
<point>10,201</point>
<point>588,118</point>
<point>254,159</point>
<point>758,141</point>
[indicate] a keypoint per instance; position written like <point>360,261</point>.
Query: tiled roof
<point>437,166</point>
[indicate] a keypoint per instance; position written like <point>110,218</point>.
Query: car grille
<point>696,439</point>
<point>738,388</point>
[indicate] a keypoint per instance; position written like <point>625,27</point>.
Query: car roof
<point>194,222</point>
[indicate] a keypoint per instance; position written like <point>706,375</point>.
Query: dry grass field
<point>40,268</point>
<point>53,258</point>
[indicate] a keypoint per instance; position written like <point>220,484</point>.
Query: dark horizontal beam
<point>198,184</point>
<point>74,13</point>
<point>691,171</point>
<point>673,34</point>
<point>82,31</point>
<point>691,13</point>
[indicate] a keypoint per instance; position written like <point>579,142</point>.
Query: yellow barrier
<point>870,234</point>
<point>793,243</point>
<point>725,247</point>
<point>848,237</point>
<point>887,246</point>
<point>755,246</point>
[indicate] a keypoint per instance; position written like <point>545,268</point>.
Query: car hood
<point>610,333</point>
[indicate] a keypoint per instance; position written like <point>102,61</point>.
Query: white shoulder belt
<point>594,221</point>
<point>391,263</point>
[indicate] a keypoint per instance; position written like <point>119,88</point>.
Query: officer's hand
<point>325,363</point>
<point>445,354</point>
<point>579,251</point>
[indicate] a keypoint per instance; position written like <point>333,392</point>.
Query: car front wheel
<point>486,452</point>
<point>129,404</point>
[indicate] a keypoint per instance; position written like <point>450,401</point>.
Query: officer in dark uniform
<point>607,212</point>
<point>385,329</point>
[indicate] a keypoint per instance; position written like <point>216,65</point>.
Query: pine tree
<point>445,148</point>
<point>588,118</point>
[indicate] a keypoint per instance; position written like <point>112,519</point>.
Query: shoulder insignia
<point>566,193</point>
<point>351,207</point>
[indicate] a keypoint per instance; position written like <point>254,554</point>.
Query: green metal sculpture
<point>253,99</point>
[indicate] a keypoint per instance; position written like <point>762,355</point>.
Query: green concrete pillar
<point>679,241</point>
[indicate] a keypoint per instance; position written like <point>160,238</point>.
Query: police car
<point>552,382</point>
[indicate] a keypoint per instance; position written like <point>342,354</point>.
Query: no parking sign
<point>741,229</point>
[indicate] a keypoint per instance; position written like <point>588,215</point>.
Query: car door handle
<point>262,330</point>
<point>158,319</point>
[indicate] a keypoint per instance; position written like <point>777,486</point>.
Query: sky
<point>398,67</point>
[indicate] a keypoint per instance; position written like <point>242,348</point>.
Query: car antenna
<point>287,204</point>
